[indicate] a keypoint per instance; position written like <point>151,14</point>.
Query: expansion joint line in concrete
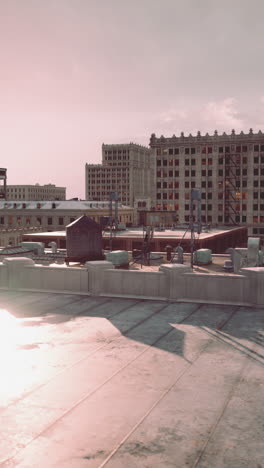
<point>219,335</point>
<point>155,404</point>
<point>222,411</point>
<point>107,380</point>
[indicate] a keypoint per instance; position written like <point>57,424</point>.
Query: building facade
<point>56,215</point>
<point>229,170</point>
<point>35,192</point>
<point>128,169</point>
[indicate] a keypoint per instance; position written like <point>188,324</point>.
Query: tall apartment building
<point>229,169</point>
<point>35,192</point>
<point>127,169</point>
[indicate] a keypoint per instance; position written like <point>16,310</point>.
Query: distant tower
<point>3,183</point>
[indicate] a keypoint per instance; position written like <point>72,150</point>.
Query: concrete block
<point>95,272</point>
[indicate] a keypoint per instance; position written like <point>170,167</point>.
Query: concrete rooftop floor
<point>119,383</point>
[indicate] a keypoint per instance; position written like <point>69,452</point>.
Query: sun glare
<point>15,372</point>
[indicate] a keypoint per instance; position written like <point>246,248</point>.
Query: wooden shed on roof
<point>84,240</point>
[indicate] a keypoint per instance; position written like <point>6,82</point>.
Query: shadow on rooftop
<point>154,323</point>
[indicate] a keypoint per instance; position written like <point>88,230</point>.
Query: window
<point>158,184</point>
<point>255,195</point>
<point>158,162</point>
<point>220,172</point>
<point>176,151</point>
<point>244,172</point>
<point>210,173</point>
<point>193,184</point>
<point>193,162</point>
<point>176,173</point>
<point>220,219</point>
<point>187,184</point>
<point>2,220</point>
<point>255,207</point>
<point>186,207</point>
<point>165,162</point>
<point>227,149</point>
<point>244,148</point>
<point>210,149</point>
<point>187,173</point>
<point>221,149</point>
<point>255,183</point>
<point>256,160</point>
<point>192,173</point>
<point>209,196</point>
<point>192,150</point>
<point>187,150</point>
<point>164,196</point>
<point>203,184</point>
<point>210,184</point>
<point>164,184</point>
<point>170,173</point>
<point>187,162</point>
<point>158,196</point>
<point>61,221</point>
<point>186,218</point>
<point>203,173</point>
<point>256,171</point>
<point>244,183</point>
<point>71,220</point>
<point>170,150</point>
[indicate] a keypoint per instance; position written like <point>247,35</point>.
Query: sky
<point>78,73</point>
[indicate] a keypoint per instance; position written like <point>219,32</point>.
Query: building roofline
<point>199,138</point>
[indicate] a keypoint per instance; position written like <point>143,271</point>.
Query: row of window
<point>209,149</point>
<point>124,151</point>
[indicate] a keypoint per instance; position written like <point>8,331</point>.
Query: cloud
<point>222,115</point>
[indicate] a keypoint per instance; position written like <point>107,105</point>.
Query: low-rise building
<point>35,192</point>
<point>56,215</point>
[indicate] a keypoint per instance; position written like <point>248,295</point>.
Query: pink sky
<point>77,73</point>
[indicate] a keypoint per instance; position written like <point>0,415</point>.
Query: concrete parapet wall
<point>144,284</point>
<point>172,282</point>
<point>214,288</point>
<point>23,274</point>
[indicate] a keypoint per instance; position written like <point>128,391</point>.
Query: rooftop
<point>99,382</point>
<point>59,204</point>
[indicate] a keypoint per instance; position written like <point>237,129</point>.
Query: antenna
<point>113,196</point>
